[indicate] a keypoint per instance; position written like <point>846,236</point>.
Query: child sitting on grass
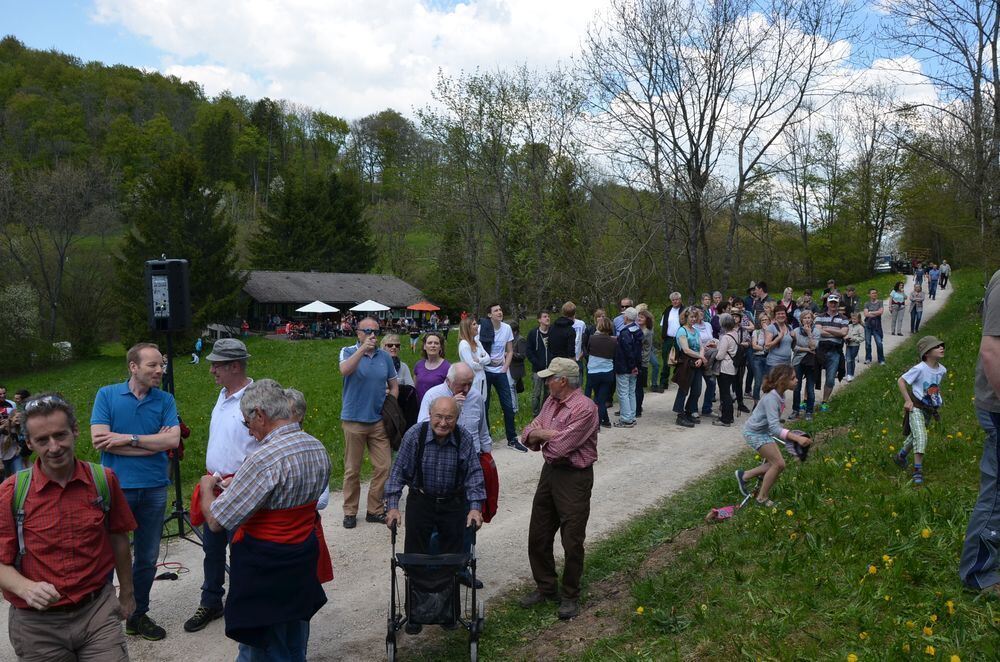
<point>763,430</point>
<point>924,379</point>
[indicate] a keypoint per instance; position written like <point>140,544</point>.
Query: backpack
<point>23,482</point>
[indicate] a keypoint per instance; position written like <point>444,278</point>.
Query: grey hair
<point>727,322</point>
<point>573,381</point>
<point>297,403</point>
<point>268,396</point>
<point>44,404</point>
<point>716,292</point>
<point>676,294</point>
<point>630,313</point>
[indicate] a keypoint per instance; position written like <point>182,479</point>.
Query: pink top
<point>576,424</point>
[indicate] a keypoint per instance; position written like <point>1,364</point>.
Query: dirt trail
<point>352,624</point>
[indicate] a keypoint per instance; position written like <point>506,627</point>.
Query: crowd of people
<point>266,479</point>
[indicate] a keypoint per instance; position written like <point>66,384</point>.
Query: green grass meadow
<point>308,365</point>
<point>854,563</point>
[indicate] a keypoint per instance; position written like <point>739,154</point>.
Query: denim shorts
<point>831,361</point>
<point>757,439</point>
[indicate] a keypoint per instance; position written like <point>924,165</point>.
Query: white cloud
<point>348,57</point>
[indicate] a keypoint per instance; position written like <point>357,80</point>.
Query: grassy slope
<point>774,585</point>
<point>309,366</point>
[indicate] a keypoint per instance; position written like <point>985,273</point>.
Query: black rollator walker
<point>432,595</point>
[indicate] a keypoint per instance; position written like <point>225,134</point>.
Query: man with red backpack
<point>64,527</point>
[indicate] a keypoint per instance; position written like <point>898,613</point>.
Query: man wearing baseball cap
<point>565,432</point>
<point>832,331</point>
<point>229,442</point>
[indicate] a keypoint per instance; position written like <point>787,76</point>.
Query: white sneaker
<point>849,378</point>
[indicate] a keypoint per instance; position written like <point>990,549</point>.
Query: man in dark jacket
<point>539,357</point>
<point>628,360</point>
<point>562,335</point>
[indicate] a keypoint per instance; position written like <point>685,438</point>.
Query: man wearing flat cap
<point>229,442</point>
<point>565,433</point>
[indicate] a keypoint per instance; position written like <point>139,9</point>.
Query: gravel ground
<point>352,624</point>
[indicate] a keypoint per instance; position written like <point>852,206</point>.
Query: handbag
<point>672,357</point>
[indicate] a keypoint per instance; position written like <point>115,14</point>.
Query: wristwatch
<point>134,441</point>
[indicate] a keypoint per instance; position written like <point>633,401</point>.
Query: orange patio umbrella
<point>424,307</point>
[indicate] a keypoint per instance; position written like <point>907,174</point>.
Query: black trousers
<point>425,514</point>
<point>640,388</point>
<point>561,504</point>
<point>727,384</point>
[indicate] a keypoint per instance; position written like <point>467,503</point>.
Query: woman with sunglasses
<point>390,343</point>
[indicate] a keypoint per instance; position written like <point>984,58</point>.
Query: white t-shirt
<point>229,441</point>
<point>498,350</point>
<point>579,327</point>
<point>926,383</point>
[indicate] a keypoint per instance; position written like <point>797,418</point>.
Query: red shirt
<point>576,423</point>
<point>65,537</point>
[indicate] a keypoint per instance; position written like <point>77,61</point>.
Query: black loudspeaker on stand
<point>168,305</point>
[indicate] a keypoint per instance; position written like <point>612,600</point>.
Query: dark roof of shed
<point>306,286</point>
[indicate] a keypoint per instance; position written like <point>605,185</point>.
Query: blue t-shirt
<point>364,389</point>
<point>934,274</point>
<point>116,406</point>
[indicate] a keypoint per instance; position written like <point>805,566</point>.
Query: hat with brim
<point>560,367</point>
<point>926,344</point>
<point>228,349</point>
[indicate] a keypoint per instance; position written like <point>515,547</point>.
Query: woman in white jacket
<point>472,354</point>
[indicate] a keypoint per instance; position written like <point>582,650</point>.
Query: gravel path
<point>352,624</point>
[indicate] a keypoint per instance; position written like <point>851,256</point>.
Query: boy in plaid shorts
<point>924,380</point>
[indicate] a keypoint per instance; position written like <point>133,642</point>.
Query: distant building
<point>281,292</point>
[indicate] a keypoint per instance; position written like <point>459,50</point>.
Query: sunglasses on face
<point>368,332</point>
<point>392,345</point>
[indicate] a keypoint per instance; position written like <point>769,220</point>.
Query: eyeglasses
<point>44,400</point>
<point>368,332</point>
<point>392,345</point>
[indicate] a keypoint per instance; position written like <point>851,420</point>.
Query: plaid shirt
<point>575,422</point>
<point>289,469</point>
<point>445,466</point>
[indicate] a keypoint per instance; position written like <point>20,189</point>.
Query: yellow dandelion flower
<point>884,431</point>
<point>886,557</point>
<point>640,610</point>
<point>887,598</point>
<point>906,648</point>
<point>955,658</point>
<point>933,618</point>
<point>911,624</point>
<point>926,533</point>
<point>928,631</point>
<point>892,448</point>
<point>951,607</point>
<point>872,570</point>
<point>958,434</point>
<point>862,636</point>
<point>950,436</point>
<point>930,650</point>
<point>895,514</point>
<point>793,536</point>
<point>852,657</point>
<point>789,512</point>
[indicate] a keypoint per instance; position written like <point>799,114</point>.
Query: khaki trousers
<point>358,436</point>
<point>92,633</point>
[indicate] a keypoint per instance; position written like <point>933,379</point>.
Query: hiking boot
<point>684,421</point>
<point>144,627</point>
<point>720,423</point>
<point>568,609</point>
<point>537,598</point>
<point>375,518</point>
<point>202,617</point>
<point>350,521</point>
<point>902,461</point>
<point>516,445</point>
<point>741,483</point>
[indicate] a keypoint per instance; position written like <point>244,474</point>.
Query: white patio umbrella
<point>370,307</point>
<point>317,307</point>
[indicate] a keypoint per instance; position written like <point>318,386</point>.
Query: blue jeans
<point>758,366</point>
<point>287,642</point>
<point>915,315</point>
<point>810,384</point>
<point>497,381</point>
<point>148,506</point>
<point>869,334</point>
<point>978,565</point>
<point>830,364</point>
<point>710,389</point>
<point>599,385</point>
<point>214,565</point>
<point>654,369</point>
<point>626,396</point>
<point>686,401</point>
<point>852,357</point>
<point>932,289</point>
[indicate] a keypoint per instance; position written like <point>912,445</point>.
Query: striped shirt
<point>831,323</point>
<point>291,468</point>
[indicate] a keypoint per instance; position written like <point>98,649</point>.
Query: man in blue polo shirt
<point>368,373</point>
<point>133,424</point>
